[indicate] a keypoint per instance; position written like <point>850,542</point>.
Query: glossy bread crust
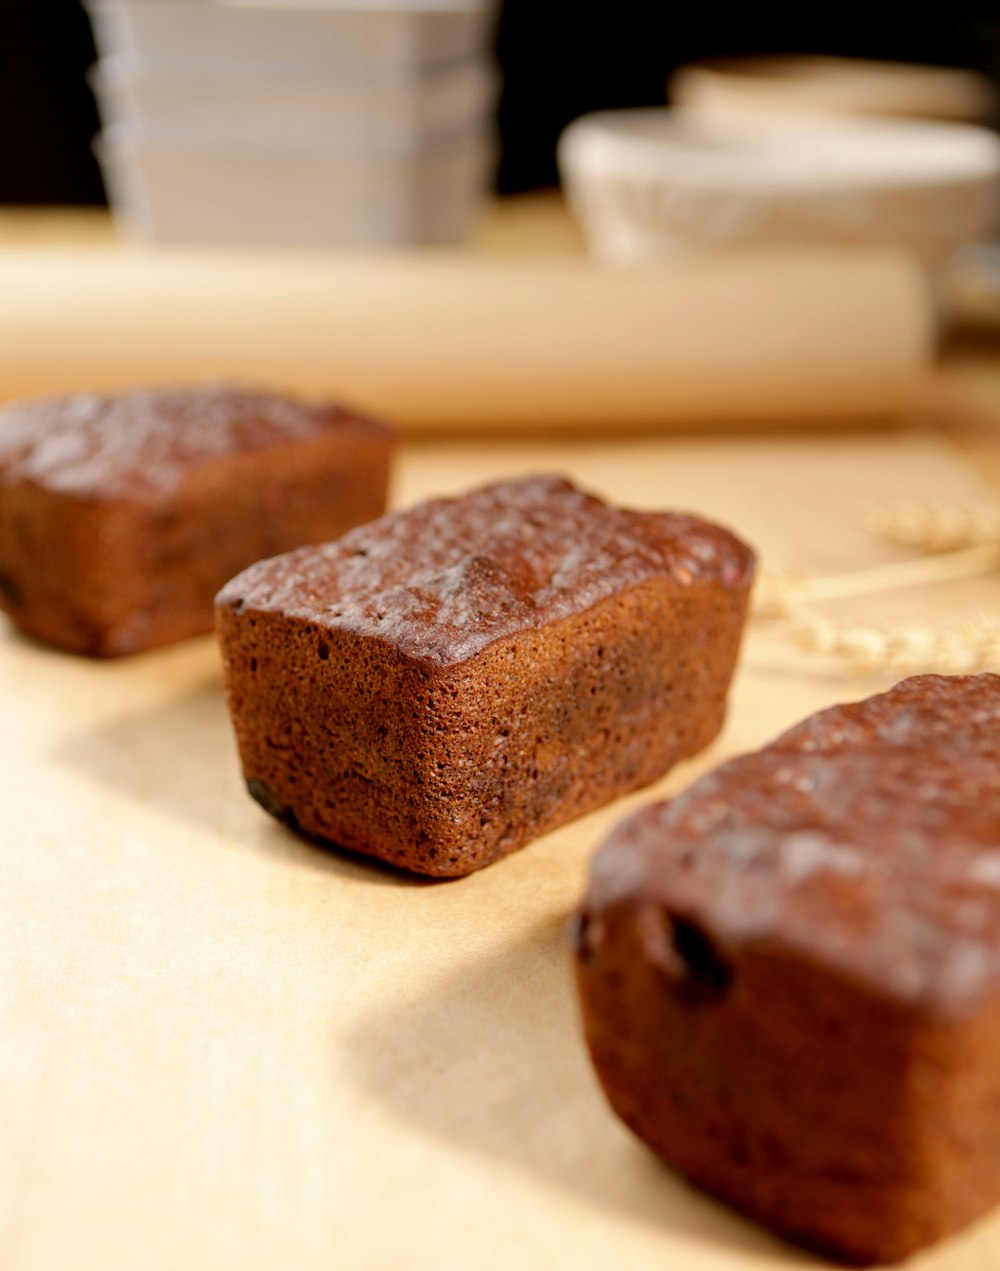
<point>445,684</point>
<point>790,974</point>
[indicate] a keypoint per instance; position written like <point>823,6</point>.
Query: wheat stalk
<point>964,541</point>
<point>972,646</point>
<point>936,527</point>
<point>777,594</point>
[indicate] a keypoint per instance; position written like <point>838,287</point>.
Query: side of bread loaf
<point>441,687</point>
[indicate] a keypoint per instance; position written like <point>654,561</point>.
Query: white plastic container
<point>649,184</point>
<point>195,192</point>
<point>394,111</point>
<point>367,36</point>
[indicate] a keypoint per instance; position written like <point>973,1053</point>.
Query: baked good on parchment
<point>441,686</point>
<point>121,516</point>
<point>790,973</point>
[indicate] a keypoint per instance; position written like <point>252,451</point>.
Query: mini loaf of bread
<point>790,974</point>
<point>120,517</point>
<point>445,684</point>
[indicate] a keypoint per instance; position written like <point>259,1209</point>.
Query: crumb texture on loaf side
<point>820,922</point>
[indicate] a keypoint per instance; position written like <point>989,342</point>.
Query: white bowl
<point>183,190</point>
<point>731,88</point>
<point>390,37</point>
<point>653,183</point>
<point>295,109</point>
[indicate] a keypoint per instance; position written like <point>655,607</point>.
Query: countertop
<point>223,1047</point>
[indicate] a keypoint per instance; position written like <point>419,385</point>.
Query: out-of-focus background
<point>557,60</point>
<point>641,136</point>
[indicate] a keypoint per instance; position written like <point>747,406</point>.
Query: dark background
<point>559,58</point>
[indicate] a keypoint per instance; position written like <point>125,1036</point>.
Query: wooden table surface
<point>221,1047</point>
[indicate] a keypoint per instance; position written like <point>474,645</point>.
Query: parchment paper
<point>223,1048</point>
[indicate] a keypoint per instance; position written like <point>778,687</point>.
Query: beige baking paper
<point>223,1049</point>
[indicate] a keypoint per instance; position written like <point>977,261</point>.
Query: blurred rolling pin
<point>437,341</point>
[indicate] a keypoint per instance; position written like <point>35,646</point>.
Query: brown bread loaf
<point>790,974</point>
<point>120,517</point>
<point>442,686</point>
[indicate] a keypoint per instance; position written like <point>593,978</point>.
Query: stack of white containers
<point>312,123</point>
